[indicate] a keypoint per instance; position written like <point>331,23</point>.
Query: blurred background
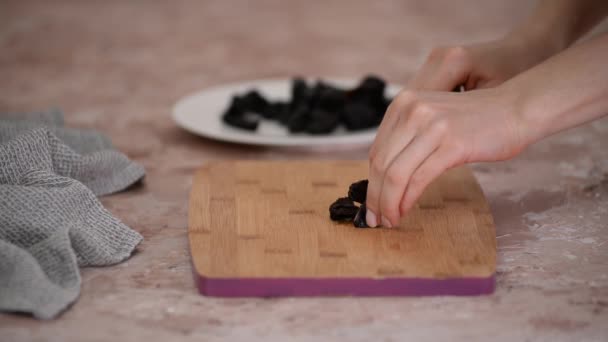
<point>132,60</point>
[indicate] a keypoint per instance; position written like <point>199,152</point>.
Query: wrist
<point>523,124</point>
<point>564,91</point>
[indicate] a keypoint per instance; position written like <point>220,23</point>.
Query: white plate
<point>201,113</point>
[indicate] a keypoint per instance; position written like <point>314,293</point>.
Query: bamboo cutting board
<point>259,228</point>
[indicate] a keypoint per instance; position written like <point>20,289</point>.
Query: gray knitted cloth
<point>50,219</point>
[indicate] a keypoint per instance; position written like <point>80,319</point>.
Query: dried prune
<point>298,120</point>
<point>331,99</point>
<point>236,116</point>
<point>343,209</point>
<point>241,121</point>
<point>359,220</point>
<point>382,107</point>
<point>318,93</point>
<point>275,110</point>
<point>358,191</point>
<point>322,122</point>
<point>370,91</point>
<point>372,85</point>
<point>252,101</point>
<point>299,88</point>
<point>314,109</point>
<point>235,108</point>
<point>300,93</point>
<point>358,116</point>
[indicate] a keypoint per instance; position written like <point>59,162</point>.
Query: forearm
<point>567,90</point>
<point>556,24</point>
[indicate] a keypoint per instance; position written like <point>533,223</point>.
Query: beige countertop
<point>118,66</point>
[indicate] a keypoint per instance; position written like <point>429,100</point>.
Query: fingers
<point>393,115</point>
<point>395,124</point>
<point>399,132</point>
<point>411,118</point>
<point>442,159</point>
<point>444,69</point>
<point>397,176</point>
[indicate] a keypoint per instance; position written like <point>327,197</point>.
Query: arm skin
<point>425,132</point>
<point>552,27</point>
<point>561,22</point>
<point>565,91</point>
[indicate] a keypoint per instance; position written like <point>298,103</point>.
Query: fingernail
<point>386,222</point>
<point>370,218</point>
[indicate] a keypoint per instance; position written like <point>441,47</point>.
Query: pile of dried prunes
<point>345,209</point>
<point>314,109</point>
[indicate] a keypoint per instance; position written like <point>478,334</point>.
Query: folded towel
<point>82,141</point>
<point>50,219</point>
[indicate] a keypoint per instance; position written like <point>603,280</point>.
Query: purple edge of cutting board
<point>301,287</point>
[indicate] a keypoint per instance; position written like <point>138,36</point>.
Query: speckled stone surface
<point>118,66</point>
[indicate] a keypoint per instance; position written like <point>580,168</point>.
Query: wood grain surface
<point>270,220</point>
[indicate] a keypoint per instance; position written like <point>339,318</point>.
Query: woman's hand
<point>428,130</point>
<point>426,133</point>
